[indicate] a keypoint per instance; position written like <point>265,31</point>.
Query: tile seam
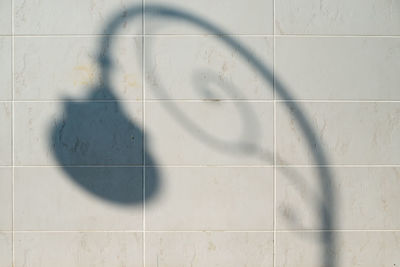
<point>13,130</point>
<point>144,130</point>
<point>203,101</point>
<point>205,231</point>
<point>209,166</point>
<point>94,35</point>
<point>274,136</point>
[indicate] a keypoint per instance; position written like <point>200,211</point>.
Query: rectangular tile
<point>356,17</point>
<point>210,133</point>
<point>5,17</point>
<point>85,198</point>
<point>193,17</point>
<point>78,249</point>
<point>5,68</point>
<point>5,249</point>
<point>5,133</point>
<point>54,68</point>
<point>207,198</point>
<point>208,249</point>
<point>339,67</point>
<point>78,133</point>
<point>204,67</point>
<point>349,249</point>
<point>359,198</point>
<point>343,133</point>
<point>77,17</point>
<point>6,198</point>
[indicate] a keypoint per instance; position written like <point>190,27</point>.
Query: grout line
<point>337,231</point>
<point>203,35</point>
<point>79,231</point>
<point>210,166</point>
<point>13,131</point>
<point>338,101</point>
<point>138,101</point>
<point>78,101</point>
<point>144,130</point>
<point>207,231</point>
<point>333,35</point>
<point>138,166</point>
<point>274,136</point>
<point>201,101</point>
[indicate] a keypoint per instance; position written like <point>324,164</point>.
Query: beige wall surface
<point>174,133</point>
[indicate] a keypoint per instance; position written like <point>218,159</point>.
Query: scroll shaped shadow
<point>87,135</point>
<point>95,142</point>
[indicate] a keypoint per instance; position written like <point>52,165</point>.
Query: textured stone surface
<point>201,133</point>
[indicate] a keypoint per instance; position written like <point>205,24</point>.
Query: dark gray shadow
<point>85,135</point>
<point>101,137</point>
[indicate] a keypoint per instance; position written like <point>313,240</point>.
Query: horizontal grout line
<point>132,35</point>
<point>78,231</point>
<point>211,100</point>
<point>202,231</point>
<point>73,101</point>
<point>338,165</point>
<point>210,166</point>
<point>209,231</point>
<point>336,35</point>
<point>200,100</point>
<point>339,101</point>
<point>204,35</point>
<point>271,231</point>
<point>338,231</point>
<point>137,166</point>
<point>138,101</point>
<point>70,35</point>
<point>141,231</point>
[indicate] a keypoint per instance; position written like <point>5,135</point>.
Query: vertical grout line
<point>274,136</point>
<point>12,131</point>
<point>144,133</point>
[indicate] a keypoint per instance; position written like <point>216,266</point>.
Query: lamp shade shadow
<point>101,149</point>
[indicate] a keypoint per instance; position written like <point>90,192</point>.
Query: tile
<point>6,198</point>
<point>208,249</point>
<point>77,17</point>
<point>5,17</point>
<point>360,198</point>
<point>206,198</point>
<point>210,133</point>
<point>78,133</point>
<point>78,249</point>
<point>337,68</point>
<point>357,17</point>
<point>205,67</point>
<point>5,249</point>
<point>343,133</point>
<point>193,17</point>
<point>5,134</point>
<point>58,68</point>
<point>83,198</point>
<point>349,249</point>
<point>5,68</point>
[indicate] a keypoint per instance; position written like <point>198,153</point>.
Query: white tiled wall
<point>250,133</point>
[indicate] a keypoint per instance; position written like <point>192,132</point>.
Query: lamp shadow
<point>100,135</point>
